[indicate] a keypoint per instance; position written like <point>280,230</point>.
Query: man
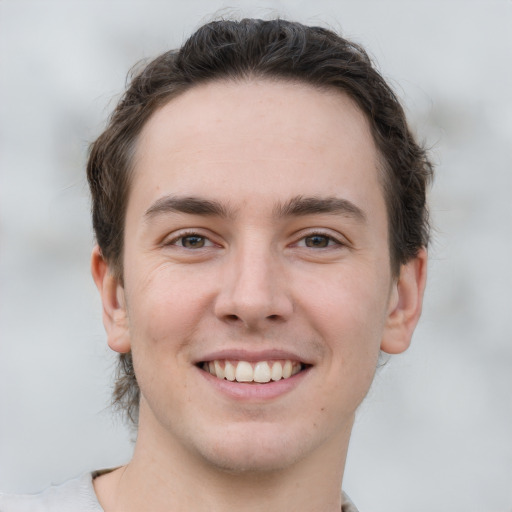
<point>259,208</point>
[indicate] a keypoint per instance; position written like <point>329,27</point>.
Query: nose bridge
<point>253,288</point>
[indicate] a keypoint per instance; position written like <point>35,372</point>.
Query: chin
<point>254,450</point>
<point>254,460</point>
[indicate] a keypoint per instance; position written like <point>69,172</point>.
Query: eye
<point>192,241</point>
<point>318,240</point>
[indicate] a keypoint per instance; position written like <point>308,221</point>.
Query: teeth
<point>219,371</point>
<point>277,371</point>
<point>287,370</point>
<point>229,371</point>
<point>261,372</point>
<point>244,372</point>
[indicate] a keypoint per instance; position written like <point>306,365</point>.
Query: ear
<point>111,291</point>
<point>405,305</point>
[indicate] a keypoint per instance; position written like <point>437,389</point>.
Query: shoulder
<point>77,495</point>
<point>348,506</point>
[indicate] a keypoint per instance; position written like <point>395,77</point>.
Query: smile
<point>259,372</point>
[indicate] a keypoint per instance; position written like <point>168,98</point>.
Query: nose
<point>254,290</point>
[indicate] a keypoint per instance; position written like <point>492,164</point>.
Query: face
<point>257,287</point>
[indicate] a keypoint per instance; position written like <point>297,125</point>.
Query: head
<point>278,52</point>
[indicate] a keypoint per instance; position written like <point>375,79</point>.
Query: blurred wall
<point>435,431</point>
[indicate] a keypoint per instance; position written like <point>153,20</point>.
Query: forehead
<point>249,139</point>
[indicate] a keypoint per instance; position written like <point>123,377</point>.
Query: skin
<point>260,277</point>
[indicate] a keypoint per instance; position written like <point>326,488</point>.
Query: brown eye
<point>317,241</point>
<point>193,241</point>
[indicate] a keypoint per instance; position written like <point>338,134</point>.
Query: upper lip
<point>251,356</point>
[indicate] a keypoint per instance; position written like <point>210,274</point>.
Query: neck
<point>165,476</point>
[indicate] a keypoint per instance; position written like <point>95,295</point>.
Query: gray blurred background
<point>435,433</point>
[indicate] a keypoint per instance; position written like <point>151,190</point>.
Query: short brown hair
<point>251,48</point>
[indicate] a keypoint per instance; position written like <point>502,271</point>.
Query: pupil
<point>317,241</point>
<point>193,241</point>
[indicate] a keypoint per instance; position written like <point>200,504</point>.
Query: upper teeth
<point>261,371</point>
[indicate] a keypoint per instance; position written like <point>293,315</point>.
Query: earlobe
<point>406,301</point>
<point>111,291</point>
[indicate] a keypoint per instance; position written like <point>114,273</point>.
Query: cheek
<point>164,307</point>
<point>349,314</point>
<point>352,304</point>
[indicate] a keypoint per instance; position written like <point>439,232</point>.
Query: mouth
<point>257,372</point>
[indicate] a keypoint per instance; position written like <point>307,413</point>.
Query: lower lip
<point>255,392</point>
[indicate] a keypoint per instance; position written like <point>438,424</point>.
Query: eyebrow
<point>298,206</point>
<point>191,205</point>
<point>301,206</point>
